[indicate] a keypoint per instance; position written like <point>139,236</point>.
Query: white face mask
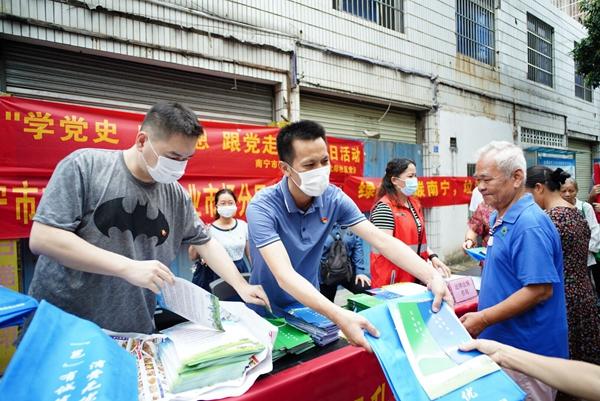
<point>313,182</point>
<point>410,186</point>
<point>227,211</point>
<point>166,170</point>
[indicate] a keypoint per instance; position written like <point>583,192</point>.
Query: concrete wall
<point>297,45</point>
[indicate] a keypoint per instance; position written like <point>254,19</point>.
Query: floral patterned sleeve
<point>480,220</point>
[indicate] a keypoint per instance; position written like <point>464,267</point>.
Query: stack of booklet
<point>322,330</point>
<point>219,352</point>
<point>196,357</point>
<point>360,302</point>
<point>289,339</point>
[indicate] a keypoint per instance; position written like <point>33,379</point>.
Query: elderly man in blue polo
<point>522,298</point>
<point>289,222</point>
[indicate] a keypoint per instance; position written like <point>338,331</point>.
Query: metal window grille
<point>571,8</point>
<point>387,13</point>
<point>542,138</point>
<point>471,169</point>
<point>583,90</point>
<point>539,51</point>
<point>475,26</point>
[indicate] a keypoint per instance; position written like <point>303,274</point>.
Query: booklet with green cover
<point>195,357</point>
<point>289,339</point>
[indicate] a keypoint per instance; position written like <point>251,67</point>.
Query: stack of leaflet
<point>322,330</point>
<point>360,302</point>
<point>382,294</point>
<point>14,307</point>
<point>196,357</point>
<point>289,339</point>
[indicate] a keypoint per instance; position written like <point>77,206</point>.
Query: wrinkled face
<point>308,155</point>
<point>497,189</point>
<point>569,192</point>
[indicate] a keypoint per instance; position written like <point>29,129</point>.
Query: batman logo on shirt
<point>112,214</point>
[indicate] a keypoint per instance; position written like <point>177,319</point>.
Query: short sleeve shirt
<point>273,216</point>
<point>525,249</point>
<point>93,194</point>
<point>233,240</point>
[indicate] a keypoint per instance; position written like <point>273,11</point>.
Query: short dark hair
<point>394,168</point>
<point>552,179</point>
<point>220,192</point>
<point>303,130</point>
<point>165,119</point>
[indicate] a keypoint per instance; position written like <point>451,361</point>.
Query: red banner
<point>432,191</point>
<point>38,134</point>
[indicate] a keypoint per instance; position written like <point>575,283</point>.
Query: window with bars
<point>475,25</point>
<point>539,51</point>
<point>542,138</point>
<point>387,13</point>
<point>583,90</point>
<point>471,169</point>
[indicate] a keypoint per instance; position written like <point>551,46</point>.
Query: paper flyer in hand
<point>193,303</point>
<point>431,341</point>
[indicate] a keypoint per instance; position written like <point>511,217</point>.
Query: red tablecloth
<point>349,373</point>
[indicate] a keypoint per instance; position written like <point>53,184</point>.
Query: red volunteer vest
<point>384,272</point>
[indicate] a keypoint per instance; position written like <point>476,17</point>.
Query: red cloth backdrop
<point>432,191</point>
<point>38,134</point>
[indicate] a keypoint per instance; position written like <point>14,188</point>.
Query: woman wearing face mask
<point>398,213</point>
<point>230,232</point>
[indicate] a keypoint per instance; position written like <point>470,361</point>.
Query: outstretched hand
<point>255,294</point>
<point>352,325</point>
<point>440,291</point>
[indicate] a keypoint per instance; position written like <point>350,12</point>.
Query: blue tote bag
<point>14,307</point>
<point>497,386</point>
<point>63,357</point>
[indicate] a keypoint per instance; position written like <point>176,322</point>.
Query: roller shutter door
<point>55,74</point>
<point>583,165</point>
<point>349,119</point>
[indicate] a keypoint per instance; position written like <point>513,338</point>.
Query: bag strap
<point>413,211</point>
